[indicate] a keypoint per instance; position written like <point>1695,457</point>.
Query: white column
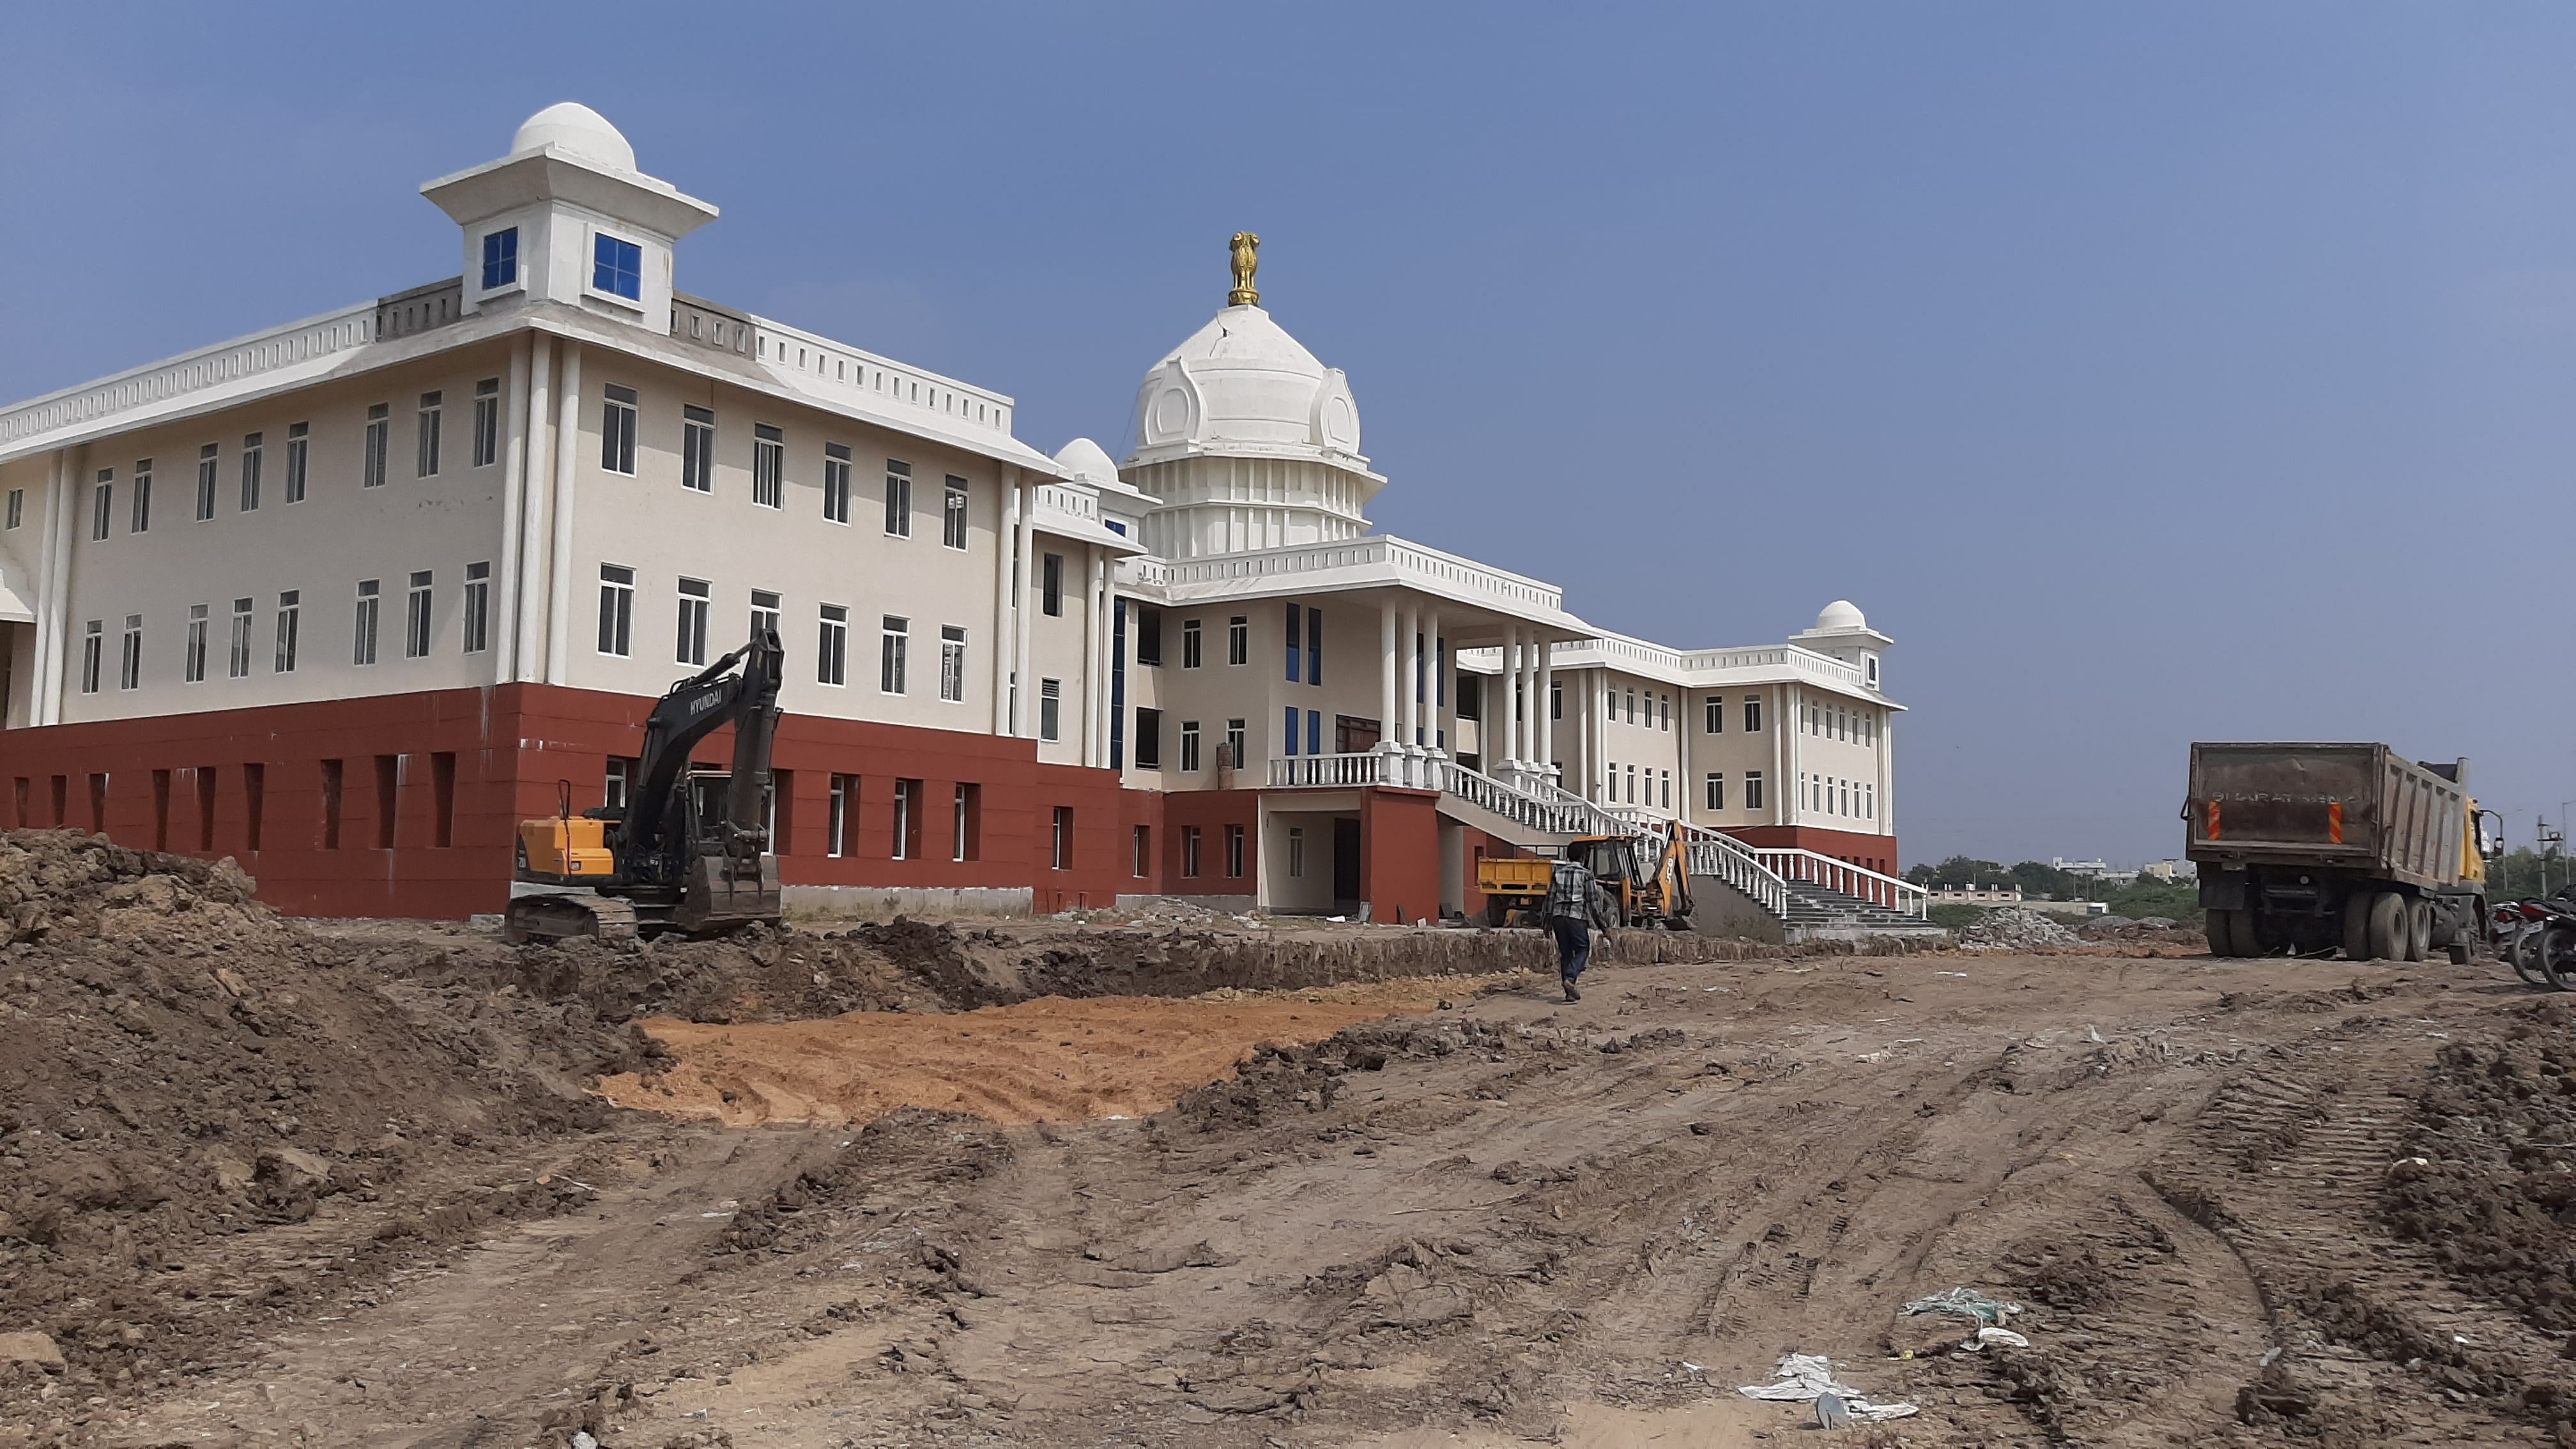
<point>1005,636</point>
<point>59,582</point>
<point>1413,685</point>
<point>1887,773</point>
<point>1095,674</point>
<point>528,568</point>
<point>1545,672</point>
<point>1389,663</point>
<point>1508,685</point>
<point>1434,680</point>
<point>1024,584</point>
<point>567,471</point>
<point>514,485</point>
<point>1792,789</point>
<point>49,623</point>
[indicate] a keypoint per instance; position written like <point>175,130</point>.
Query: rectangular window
<point>1189,744</point>
<point>966,843</point>
<point>907,819</point>
<point>616,609</point>
<point>832,650</point>
<point>698,449</point>
<point>1051,585</point>
<point>427,440</point>
<point>332,775</point>
<point>1233,745</point>
<point>845,808</point>
<point>1632,784</point>
<point>362,649</point>
<point>1716,792</point>
<point>207,467</point>
<point>1314,646</point>
<point>621,769</point>
<point>290,610</point>
<point>1144,853</point>
<point>1296,631</point>
<point>1716,716</point>
<point>102,505</point>
<point>768,466</point>
<point>93,644</point>
<point>442,799</point>
<point>141,519</point>
<point>690,645</point>
<point>1234,851</point>
<point>1050,708</point>
<point>17,507</point>
<point>1296,851</point>
<point>617,430</point>
<point>1471,695</point>
<point>1149,738</point>
<point>129,674</point>
<point>1556,699</point>
<point>1753,789</point>
<point>1314,732</point>
<point>1752,726</point>
<point>371,462</point>
<point>1238,640</point>
<point>192,661</point>
<point>251,460</point>
<point>836,482</point>
<point>1190,851</point>
<point>487,422</point>
<point>898,500</point>
<point>478,607</point>
<point>616,267</point>
<point>416,617</point>
<point>952,514</point>
<point>388,799</point>
<point>237,659</point>
<point>1189,643</point>
<point>299,443</point>
<point>893,645</point>
<point>952,663</point>
<point>764,612</point>
<point>500,258</point>
<point>1063,855</point>
<point>1288,745</point>
<point>1149,636</point>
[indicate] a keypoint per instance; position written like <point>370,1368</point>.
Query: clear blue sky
<point>2150,372</point>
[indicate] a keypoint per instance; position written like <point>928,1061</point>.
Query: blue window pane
<point>1314,732</point>
<point>617,268</point>
<point>1292,729</point>
<point>501,258</point>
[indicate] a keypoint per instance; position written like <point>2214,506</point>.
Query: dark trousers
<point>1573,946</point>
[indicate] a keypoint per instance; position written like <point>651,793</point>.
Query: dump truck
<point>2305,849</point>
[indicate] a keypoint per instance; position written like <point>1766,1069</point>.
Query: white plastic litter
<point>1802,1376</point>
<point>2004,1336</point>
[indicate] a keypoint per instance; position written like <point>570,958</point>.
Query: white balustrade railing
<point>1310,772</point>
<point>1716,855</point>
<point>1885,891</point>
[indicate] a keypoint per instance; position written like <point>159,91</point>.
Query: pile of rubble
<point>2014,930</point>
<point>2125,928</point>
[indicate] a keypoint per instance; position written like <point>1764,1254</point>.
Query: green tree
<point>2045,882</point>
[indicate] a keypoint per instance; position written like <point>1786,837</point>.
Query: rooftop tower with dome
<point>346,598</point>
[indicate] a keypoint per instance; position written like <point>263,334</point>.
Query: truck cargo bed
<point>2360,807</point>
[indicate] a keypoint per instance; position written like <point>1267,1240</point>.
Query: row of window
<point>1751,797</point>
<point>1829,795</point>
<point>287,631</point>
<point>1149,743</point>
<point>390,774</point>
<point>912,809</point>
<point>1658,786</point>
<point>1834,722</point>
<point>1192,846</point>
<point>616,264</point>
<point>621,417</point>
<point>832,646</point>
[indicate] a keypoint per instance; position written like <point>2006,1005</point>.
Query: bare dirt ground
<point>2242,1203</point>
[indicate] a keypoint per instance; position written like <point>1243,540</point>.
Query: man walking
<point>1576,902</point>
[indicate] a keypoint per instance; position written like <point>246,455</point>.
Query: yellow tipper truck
<point>2304,848</point>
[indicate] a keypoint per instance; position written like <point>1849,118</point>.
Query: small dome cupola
<point>1843,632</point>
<point>566,217</point>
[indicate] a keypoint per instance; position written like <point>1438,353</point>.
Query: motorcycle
<point>2539,939</point>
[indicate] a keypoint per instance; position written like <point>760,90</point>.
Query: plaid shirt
<point>1574,895</point>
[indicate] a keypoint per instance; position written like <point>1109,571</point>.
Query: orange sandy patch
<point>1053,1059</point>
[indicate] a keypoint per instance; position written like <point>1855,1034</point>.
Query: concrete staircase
<point>1820,913</point>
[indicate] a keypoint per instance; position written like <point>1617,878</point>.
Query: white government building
<point>345,598</point>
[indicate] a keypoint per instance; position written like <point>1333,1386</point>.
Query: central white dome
<point>1841,614</point>
<point>577,130</point>
<point>1241,379</point>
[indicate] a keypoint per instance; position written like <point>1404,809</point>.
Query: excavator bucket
<point>725,892</point>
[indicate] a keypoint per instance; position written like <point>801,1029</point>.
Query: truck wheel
<point>2419,930</point>
<point>2523,954</point>
<point>2356,926</point>
<point>2221,927</point>
<point>2388,928</point>
<point>1497,910</point>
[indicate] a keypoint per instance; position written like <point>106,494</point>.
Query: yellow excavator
<point>663,862</point>
<point>1651,884</point>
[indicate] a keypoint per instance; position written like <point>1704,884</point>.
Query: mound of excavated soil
<point>1049,1060</point>
<point>2491,1188</point>
<point>176,1063</point>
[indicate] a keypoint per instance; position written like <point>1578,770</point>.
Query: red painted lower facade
<point>407,805</point>
<point>1869,852</point>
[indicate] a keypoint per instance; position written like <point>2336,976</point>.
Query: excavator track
<point>561,917</point>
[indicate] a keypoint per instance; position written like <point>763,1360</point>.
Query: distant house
<point>1976,895</point>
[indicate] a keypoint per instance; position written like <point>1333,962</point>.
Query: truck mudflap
<point>2223,890</point>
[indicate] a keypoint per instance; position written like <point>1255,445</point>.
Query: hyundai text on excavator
<point>660,862</point>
